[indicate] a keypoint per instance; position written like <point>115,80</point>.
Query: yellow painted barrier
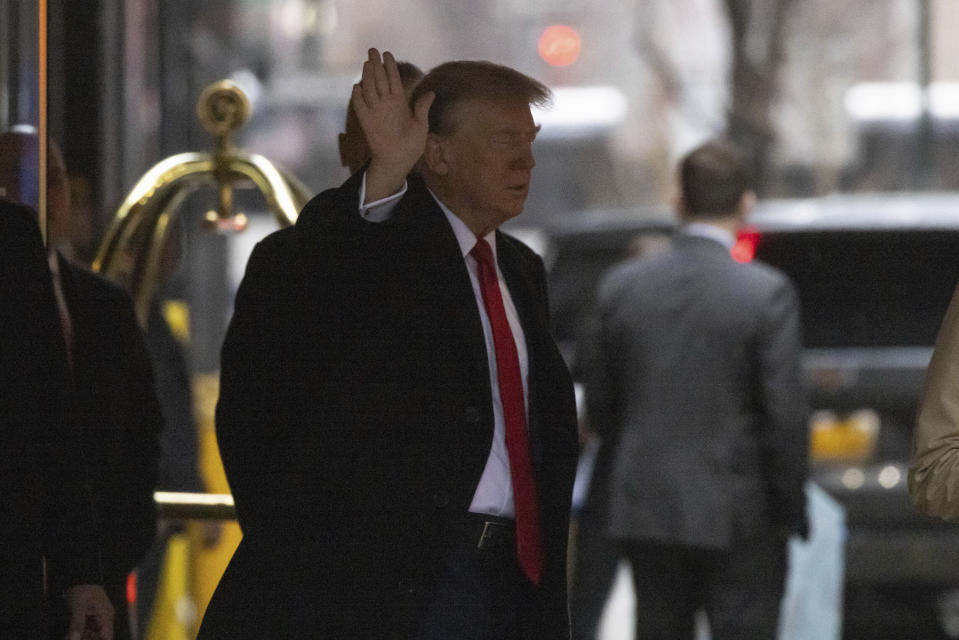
<point>209,563</point>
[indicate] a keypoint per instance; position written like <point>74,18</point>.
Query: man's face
<point>489,160</point>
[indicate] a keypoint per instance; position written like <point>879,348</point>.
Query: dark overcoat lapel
<point>444,270</point>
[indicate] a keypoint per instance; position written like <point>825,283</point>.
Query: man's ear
<point>435,155</point>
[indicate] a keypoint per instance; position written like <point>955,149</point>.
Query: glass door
<point>23,103</point>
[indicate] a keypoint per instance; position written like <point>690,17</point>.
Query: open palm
<point>395,133</point>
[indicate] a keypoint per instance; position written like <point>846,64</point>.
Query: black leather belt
<point>487,532</point>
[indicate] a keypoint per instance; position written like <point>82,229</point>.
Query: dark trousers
<point>482,595</point>
<point>740,589</point>
<point>595,564</point>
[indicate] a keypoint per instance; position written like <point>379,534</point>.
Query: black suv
<point>875,273</point>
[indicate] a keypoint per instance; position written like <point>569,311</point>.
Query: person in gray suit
<point>698,376</point>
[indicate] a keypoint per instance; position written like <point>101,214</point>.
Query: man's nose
<point>525,159</point>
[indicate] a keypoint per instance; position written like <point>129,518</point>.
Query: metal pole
<point>924,164</point>
<point>194,506</point>
<point>42,115</point>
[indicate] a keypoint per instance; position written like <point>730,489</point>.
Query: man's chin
<point>509,214</point>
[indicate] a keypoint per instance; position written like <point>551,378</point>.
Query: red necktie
<point>528,547</point>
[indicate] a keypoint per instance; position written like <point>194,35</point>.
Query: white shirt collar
<point>465,237</point>
<point>711,231</point>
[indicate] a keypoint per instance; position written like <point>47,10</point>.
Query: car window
<point>578,263</point>
<point>868,289</point>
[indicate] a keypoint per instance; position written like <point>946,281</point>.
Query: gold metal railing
<point>134,243</point>
<point>194,506</point>
<point>133,252</point>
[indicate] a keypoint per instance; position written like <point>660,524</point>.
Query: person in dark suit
<point>111,402</point>
<point>47,523</point>
<point>116,407</point>
<point>374,416</point>
<point>697,378</point>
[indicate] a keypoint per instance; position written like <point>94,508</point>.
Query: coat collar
<point>710,231</point>
<point>700,242</point>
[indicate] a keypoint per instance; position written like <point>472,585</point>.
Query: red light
<point>745,248</point>
<point>132,587</point>
<point>559,45</point>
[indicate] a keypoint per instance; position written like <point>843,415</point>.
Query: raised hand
<point>396,134</point>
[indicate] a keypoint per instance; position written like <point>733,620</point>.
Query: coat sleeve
<point>252,411</point>
<point>600,364</point>
<point>274,356</point>
<point>784,442</point>
<point>934,466</point>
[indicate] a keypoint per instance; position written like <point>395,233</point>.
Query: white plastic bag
<point>812,604</point>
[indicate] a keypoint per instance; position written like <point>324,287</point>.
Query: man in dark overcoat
<point>397,425</point>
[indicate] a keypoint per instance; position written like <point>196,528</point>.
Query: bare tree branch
<point>755,79</point>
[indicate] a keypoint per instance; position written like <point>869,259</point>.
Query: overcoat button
<point>472,414</point>
<point>441,498</point>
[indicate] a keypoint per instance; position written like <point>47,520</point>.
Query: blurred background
<point>825,97</point>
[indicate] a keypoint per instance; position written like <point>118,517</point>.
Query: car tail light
<point>746,242</point>
<point>848,438</point>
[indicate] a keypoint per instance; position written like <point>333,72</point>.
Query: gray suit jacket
<point>698,376</point>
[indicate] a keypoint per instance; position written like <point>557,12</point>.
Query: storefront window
<point>20,107</point>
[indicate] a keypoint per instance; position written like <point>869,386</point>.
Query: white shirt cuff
<point>382,209</point>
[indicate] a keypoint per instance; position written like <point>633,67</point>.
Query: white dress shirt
<point>494,493</point>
